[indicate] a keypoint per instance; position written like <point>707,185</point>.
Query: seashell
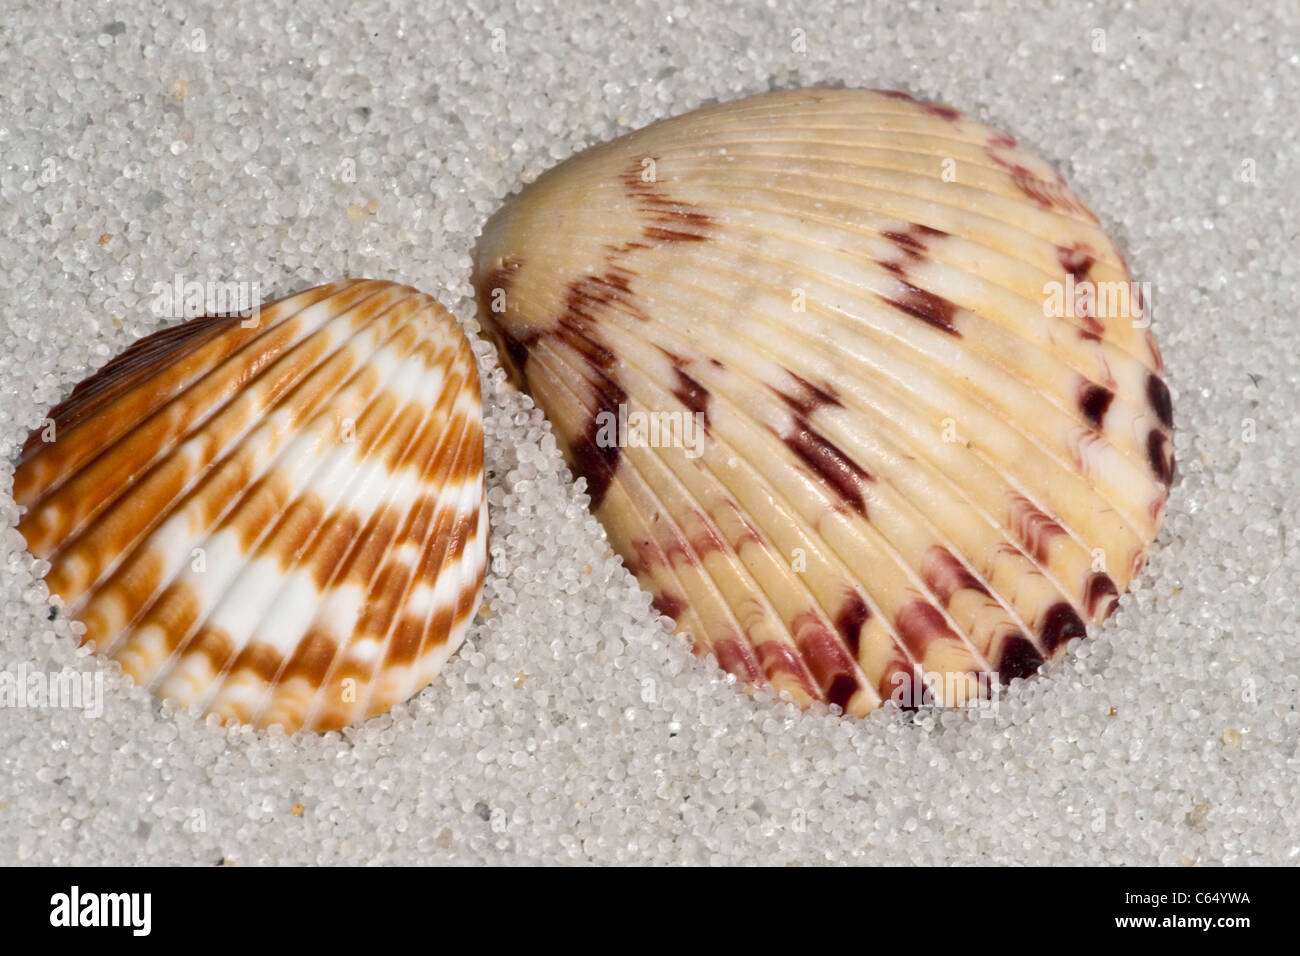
<point>909,480</point>
<point>279,520</point>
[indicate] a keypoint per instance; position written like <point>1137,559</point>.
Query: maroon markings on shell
<point>934,109</point>
<point>1094,400</point>
<point>940,110</point>
<point>586,297</point>
<point>516,349</point>
<point>849,620</point>
<point>826,658</point>
<point>750,534</point>
<point>777,658</point>
<point>945,575</point>
<point>1160,454</point>
<point>1158,396</point>
<point>919,623</point>
<point>668,605</point>
<point>1101,593</point>
<point>678,550</point>
<point>593,458</point>
<point>1076,259</point>
<point>1000,140</point>
<point>736,656</point>
<point>841,691</point>
<point>667,219</point>
<point>691,393</point>
<point>1048,195</point>
<point>829,463</point>
<point>805,397</point>
<point>648,555</point>
<point>912,242</point>
<point>905,685</point>
<point>500,278</point>
<point>1019,658</point>
<point>1032,528</point>
<point>1060,624</point>
<point>707,541</point>
<point>926,306</point>
<point>910,245</point>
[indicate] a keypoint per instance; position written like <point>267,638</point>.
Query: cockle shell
<point>277,519</point>
<point>909,468</point>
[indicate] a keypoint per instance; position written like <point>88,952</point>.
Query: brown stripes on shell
<point>666,219</point>
<point>576,327</point>
<point>1076,259</point>
<point>1158,396</point>
<point>515,348</point>
<point>933,109</point>
<point>736,656</point>
<point>927,306</point>
<point>905,684</point>
<point>676,548</point>
<point>910,246</point>
<point>691,393</point>
<point>778,659</point>
<point>919,623</point>
<point>829,463</point>
<point>586,300</point>
<point>1101,596</point>
<point>1083,444</point>
<point>707,541</point>
<point>312,657</point>
<point>915,301</point>
<point>595,461</point>
<point>1032,528</point>
<point>1094,401</point>
<point>1061,624</point>
<point>1160,454</point>
<point>214,644</point>
<point>175,613</point>
<point>945,575</point>
<point>850,619</point>
<point>1002,140</point>
<point>141,361</point>
<point>1052,196</point>
<point>1049,195</point>
<point>1019,658</point>
<point>912,243</point>
<point>805,397</point>
<point>830,665</point>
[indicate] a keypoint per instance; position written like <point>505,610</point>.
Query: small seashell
<point>824,360</point>
<point>279,519</point>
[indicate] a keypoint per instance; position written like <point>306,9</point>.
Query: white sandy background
<point>289,143</point>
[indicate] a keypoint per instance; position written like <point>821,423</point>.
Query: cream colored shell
<point>925,451</point>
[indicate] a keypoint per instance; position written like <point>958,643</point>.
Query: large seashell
<point>284,523</point>
<point>908,466</point>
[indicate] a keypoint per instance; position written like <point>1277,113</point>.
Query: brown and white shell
<point>861,392</point>
<point>279,520</point>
